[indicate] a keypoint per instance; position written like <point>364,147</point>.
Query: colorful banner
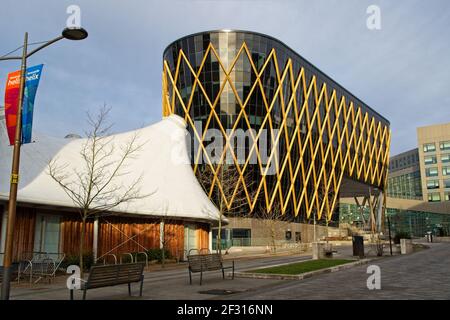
<point>12,100</point>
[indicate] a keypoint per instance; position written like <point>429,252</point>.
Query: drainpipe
<point>95,240</point>
<point>161,235</point>
<point>210,239</point>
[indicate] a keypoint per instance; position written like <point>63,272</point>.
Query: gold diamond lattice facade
<point>316,132</point>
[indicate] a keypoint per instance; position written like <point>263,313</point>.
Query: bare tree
<point>96,186</point>
<point>167,235</point>
<point>228,177</point>
<point>270,220</point>
<point>324,196</point>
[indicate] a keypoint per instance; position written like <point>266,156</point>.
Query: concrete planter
<point>318,250</point>
<point>406,246</point>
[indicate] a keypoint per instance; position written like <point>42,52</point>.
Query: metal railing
<point>132,256</point>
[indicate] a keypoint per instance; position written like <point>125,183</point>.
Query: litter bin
<point>358,246</point>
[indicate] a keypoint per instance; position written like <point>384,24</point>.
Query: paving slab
<point>421,275</point>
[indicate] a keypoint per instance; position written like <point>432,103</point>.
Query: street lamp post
<point>68,33</point>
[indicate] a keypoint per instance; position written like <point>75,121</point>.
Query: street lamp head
<point>74,33</point>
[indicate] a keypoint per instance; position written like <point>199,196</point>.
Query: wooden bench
<point>207,262</point>
<point>111,275</point>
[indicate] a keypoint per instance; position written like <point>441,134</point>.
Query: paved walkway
<point>172,283</point>
<point>422,275</point>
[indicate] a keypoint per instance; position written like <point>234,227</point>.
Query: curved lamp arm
<point>35,50</point>
<point>44,45</point>
<point>11,58</point>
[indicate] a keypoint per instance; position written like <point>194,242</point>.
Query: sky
<point>401,70</point>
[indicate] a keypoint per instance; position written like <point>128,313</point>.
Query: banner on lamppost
<point>33,75</point>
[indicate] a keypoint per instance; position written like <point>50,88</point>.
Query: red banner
<point>11,103</point>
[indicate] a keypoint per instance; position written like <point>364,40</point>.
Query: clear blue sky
<point>402,70</point>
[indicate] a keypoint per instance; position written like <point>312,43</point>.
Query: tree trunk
<point>219,233</point>
<point>83,231</point>
<point>274,246</point>
<point>314,217</point>
<point>219,238</point>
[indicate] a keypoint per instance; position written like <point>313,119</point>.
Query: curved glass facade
<point>314,131</point>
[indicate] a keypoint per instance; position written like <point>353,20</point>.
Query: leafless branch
<point>93,186</point>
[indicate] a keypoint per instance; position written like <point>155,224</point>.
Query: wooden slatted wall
<point>202,236</point>
<point>24,232</point>
<point>70,234</point>
<point>122,234</point>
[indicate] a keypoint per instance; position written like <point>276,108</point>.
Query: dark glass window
<point>433,184</point>
<point>288,235</point>
<point>446,171</point>
<point>431,172</point>
<point>430,160</point>
<point>429,147</point>
<point>434,197</point>
<point>241,233</point>
<point>444,145</point>
<point>447,183</point>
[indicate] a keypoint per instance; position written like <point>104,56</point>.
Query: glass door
<point>190,239</point>
<point>47,234</point>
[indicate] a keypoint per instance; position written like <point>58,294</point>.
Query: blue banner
<point>31,85</point>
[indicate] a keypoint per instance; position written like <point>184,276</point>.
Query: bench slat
<point>205,262</point>
<point>101,276</point>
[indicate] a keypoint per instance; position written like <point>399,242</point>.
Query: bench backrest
<point>102,276</point>
<point>205,262</point>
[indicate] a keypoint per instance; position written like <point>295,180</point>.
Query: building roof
<point>163,163</point>
<point>330,80</point>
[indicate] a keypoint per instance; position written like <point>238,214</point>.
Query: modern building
<point>404,176</point>
<point>418,187</point>
<point>415,217</point>
<point>322,142</point>
<point>434,154</point>
<point>176,208</point>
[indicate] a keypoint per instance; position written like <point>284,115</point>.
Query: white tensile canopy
<point>162,162</point>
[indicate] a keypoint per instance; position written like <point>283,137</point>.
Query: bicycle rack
<point>106,255</point>
<point>146,257</point>
<point>128,254</point>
